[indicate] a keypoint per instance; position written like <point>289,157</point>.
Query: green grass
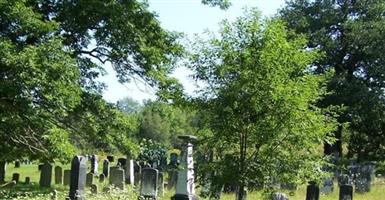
<point>34,192</point>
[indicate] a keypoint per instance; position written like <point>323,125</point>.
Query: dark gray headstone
<point>40,166</point>
<point>117,177</point>
<point>16,177</point>
<point>66,177</point>
<point>106,167</point>
<point>110,158</point>
<point>346,192</point>
<point>101,178</point>
<point>312,191</point>
<point>3,165</point>
<point>122,162</point>
<point>137,171</point>
<point>45,175</point>
<point>89,179</point>
<point>94,164</point>
<point>78,178</point>
<point>58,175</point>
<point>27,180</point>
<point>149,183</point>
<point>17,164</point>
<point>173,159</point>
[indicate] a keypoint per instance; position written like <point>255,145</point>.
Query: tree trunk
<point>2,171</point>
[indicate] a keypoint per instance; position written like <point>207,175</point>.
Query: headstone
<point>58,175</point>
<point>185,188</point>
<point>327,187</point>
<point>66,178</point>
<point>40,166</point>
<point>27,180</point>
<point>94,164</point>
<point>9,184</point>
<point>16,177</point>
<point>279,196</point>
<point>110,158</point>
<point>345,179</point>
<point>137,171</point>
<point>45,175</point>
<point>172,177</point>
<point>117,177</point>
<point>129,172</point>
<point>149,183</point>
<point>312,191</point>
<point>78,178</point>
<point>101,178</point>
<point>160,183</point>
<point>17,164</point>
<point>94,189</point>
<point>346,192</point>
<point>106,167</point>
<point>122,162</point>
<point>3,165</point>
<point>89,179</point>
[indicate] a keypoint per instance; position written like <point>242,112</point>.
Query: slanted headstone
<point>110,158</point>
<point>137,171</point>
<point>16,177</point>
<point>66,177</point>
<point>27,180</point>
<point>327,187</point>
<point>312,191</point>
<point>94,189</point>
<point>185,188</point>
<point>101,178</point>
<point>149,183</point>
<point>58,175</point>
<point>78,178</point>
<point>94,164</point>
<point>3,165</point>
<point>160,183</point>
<point>279,196</point>
<point>117,177</point>
<point>89,179</point>
<point>45,175</point>
<point>346,192</point>
<point>106,167</point>
<point>17,164</point>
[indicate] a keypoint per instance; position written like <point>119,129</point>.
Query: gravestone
<point>3,167</point>
<point>94,189</point>
<point>129,172</point>
<point>78,178</point>
<point>327,187</point>
<point>17,164</point>
<point>58,175</point>
<point>117,177</point>
<point>40,166</point>
<point>160,183</point>
<point>173,159</point>
<point>16,177</point>
<point>312,191</point>
<point>106,167</point>
<point>137,171</point>
<point>27,180</point>
<point>185,188</point>
<point>45,175</point>
<point>89,179</point>
<point>279,196</point>
<point>346,192</point>
<point>9,185</point>
<point>101,178</point>
<point>345,179</point>
<point>66,178</point>
<point>110,158</point>
<point>149,183</point>
<point>94,164</point>
<point>172,178</point>
<point>122,162</point>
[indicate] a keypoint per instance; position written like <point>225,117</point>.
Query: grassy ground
<point>34,192</point>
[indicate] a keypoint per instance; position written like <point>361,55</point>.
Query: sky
<point>189,17</point>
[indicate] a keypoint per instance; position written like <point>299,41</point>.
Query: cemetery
<point>192,100</point>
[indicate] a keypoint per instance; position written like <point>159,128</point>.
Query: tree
<point>259,103</point>
<point>128,105</point>
<point>350,34</point>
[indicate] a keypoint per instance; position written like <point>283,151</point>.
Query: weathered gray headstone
<point>16,177</point>
<point>312,191</point>
<point>101,178</point>
<point>27,180</point>
<point>58,175</point>
<point>94,189</point>
<point>346,192</point>
<point>149,183</point>
<point>78,178</point>
<point>89,179</point>
<point>279,196</point>
<point>17,164</point>
<point>185,188</point>
<point>94,164</point>
<point>45,175</point>
<point>117,177</point>
<point>3,165</point>
<point>66,177</point>
<point>106,167</point>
